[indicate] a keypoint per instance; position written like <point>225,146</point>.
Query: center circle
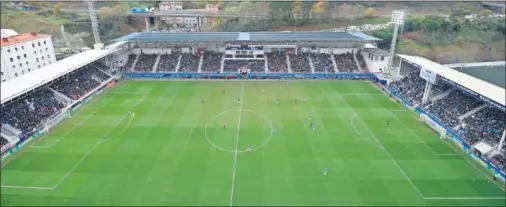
<point>221,131</point>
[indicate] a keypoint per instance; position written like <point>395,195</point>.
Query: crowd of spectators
<point>168,62</point>
<point>276,61</point>
<point>346,63</point>
<point>499,160</point>
<point>130,62</point>
<point>79,82</point>
<point>411,87</point>
<point>458,103</point>
<point>27,113</point>
<point>322,63</point>
<point>300,62</point>
<point>211,61</point>
<point>361,61</point>
<point>145,63</point>
<point>487,123</point>
<point>236,65</point>
<point>100,65</point>
<point>189,63</point>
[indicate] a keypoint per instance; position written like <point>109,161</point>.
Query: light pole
<point>397,20</point>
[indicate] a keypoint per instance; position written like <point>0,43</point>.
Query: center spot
<point>255,129</point>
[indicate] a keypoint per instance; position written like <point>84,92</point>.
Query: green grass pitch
<point>179,151</point>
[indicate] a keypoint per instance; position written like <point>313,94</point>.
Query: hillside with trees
<point>425,34</point>
<point>449,41</point>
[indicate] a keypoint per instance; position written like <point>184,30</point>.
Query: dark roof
<point>247,36</point>
<point>492,74</point>
<point>494,4</point>
<point>376,51</point>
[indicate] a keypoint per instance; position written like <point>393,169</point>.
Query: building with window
<point>24,53</point>
<point>177,6</point>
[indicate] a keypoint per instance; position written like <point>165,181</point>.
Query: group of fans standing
<point>452,107</point>
<point>276,62</point>
<point>27,113</point>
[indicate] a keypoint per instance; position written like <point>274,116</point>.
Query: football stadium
<point>258,118</point>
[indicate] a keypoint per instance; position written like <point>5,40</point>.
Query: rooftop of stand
<point>22,84</point>
<point>248,36</point>
<point>492,72</point>
<point>486,89</point>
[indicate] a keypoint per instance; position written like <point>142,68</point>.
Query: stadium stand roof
<point>376,51</point>
<point>484,88</point>
<point>248,36</point>
<point>22,84</point>
<point>115,45</point>
<point>492,72</point>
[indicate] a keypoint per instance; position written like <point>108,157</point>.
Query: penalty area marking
<point>104,138</point>
<point>360,134</point>
<point>239,151</point>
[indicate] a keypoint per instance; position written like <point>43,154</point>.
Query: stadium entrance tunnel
<point>233,129</point>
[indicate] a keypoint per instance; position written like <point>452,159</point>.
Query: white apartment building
<point>23,53</point>
<point>171,6</point>
<point>177,6</point>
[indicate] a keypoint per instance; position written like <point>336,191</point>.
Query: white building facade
<point>24,53</point>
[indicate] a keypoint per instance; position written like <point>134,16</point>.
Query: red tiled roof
<point>21,38</point>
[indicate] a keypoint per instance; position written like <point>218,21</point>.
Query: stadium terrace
<point>197,118</point>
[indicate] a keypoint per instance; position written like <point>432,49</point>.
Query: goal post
<point>433,125</point>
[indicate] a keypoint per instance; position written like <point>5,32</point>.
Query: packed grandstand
<point>32,104</point>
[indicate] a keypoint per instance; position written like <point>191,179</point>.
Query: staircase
<point>135,62</point>
<point>288,64</point>
<point>200,62</point>
<point>469,113</point>
<point>266,64</point>
<point>102,70</point>
<point>356,62</point>
<point>10,130</point>
<point>155,66</point>
<point>178,63</point>
<point>222,63</point>
<point>334,63</point>
<point>9,137</point>
<point>442,95</point>
<point>94,77</point>
<point>60,96</point>
<point>311,63</point>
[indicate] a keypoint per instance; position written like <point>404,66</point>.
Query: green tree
<point>296,8</point>
<point>57,8</point>
<point>484,12</point>
<point>370,12</point>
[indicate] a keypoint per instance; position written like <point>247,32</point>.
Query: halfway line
<point>237,144</point>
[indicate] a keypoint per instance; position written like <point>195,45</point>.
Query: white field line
<point>464,198</point>
<point>237,144</point>
<point>88,152</point>
<point>422,141</point>
<point>385,150</point>
<point>78,162</point>
<point>472,163</point>
<point>67,133</point>
<point>87,106</point>
<point>360,134</point>
<point>28,187</point>
<point>480,169</point>
<point>98,142</point>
